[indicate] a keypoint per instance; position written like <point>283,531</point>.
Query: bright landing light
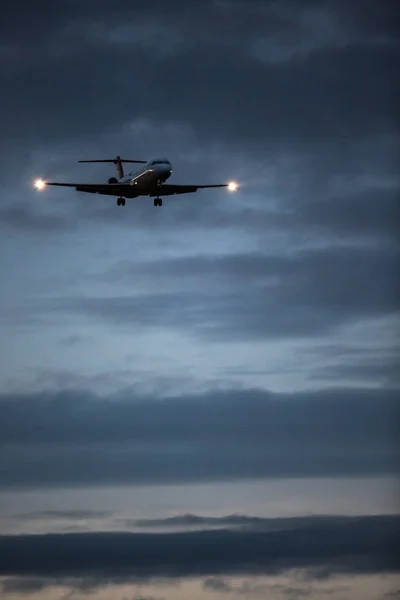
<point>232,186</point>
<point>39,184</point>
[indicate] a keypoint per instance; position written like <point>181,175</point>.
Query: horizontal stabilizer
<point>116,160</point>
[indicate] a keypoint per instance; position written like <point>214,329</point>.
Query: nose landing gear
<point>157,201</point>
<point>121,202</point>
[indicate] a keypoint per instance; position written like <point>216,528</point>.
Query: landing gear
<point>121,202</point>
<point>157,202</point>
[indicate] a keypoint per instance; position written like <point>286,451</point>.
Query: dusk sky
<point>201,401</point>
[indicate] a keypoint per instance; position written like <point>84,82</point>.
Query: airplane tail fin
<point>116,161</point>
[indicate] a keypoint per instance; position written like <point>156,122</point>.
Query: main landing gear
<point>157,202</point>
<point>121,202</point>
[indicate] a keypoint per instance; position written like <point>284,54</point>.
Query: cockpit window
<point>159,162</point>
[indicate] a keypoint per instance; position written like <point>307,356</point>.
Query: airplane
<point>146,181</point>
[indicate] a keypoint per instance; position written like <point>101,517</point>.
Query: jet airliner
<point>146,181</point>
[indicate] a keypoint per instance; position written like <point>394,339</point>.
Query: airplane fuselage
<point>146,179</point>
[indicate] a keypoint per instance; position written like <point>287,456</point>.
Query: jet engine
<point>112,180</point>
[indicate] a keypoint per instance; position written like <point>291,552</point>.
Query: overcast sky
<point>200,401</point>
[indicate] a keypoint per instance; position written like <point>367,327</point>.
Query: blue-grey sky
<point>221,371</point>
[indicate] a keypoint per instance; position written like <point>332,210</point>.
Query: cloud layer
<point>253,296</point>
<point>74,438</point>
<point>352,545</point>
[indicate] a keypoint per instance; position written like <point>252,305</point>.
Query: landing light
<point>39,184</point>
<point>232,186</point>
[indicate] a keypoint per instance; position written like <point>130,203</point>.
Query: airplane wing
<point>127,190</point>
<point>108,189</point>
<point>167,189</point>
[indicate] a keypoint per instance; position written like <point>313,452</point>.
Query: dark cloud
<point>30,220</point>
<point>250,296</point>
<point>65,514</point>
<point>376,364</point>
<point>234,521</point>
<point>216,584</point>
<point>246,588</point>
<point>291,103</point>
<point>24,585</point>
<point>372,213</point>
<point>259,110</point>
<point>190,520</point>
<point>357,546</point>
<point>243,99</point>
<point>380,20</point>
<point>381,369</point>
<point>72,438</point>
<point>27,586</point>
<point>74,340</point>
